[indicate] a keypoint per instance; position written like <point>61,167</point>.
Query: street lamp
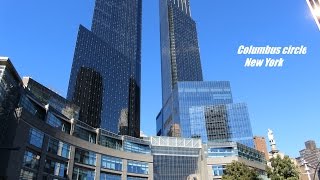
<point>314,6</point>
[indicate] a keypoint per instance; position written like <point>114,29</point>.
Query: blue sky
<point>40,36</point>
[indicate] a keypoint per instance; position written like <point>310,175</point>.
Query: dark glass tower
<point>106,70</point>
<point>192,107</point>
<point>180,57</point>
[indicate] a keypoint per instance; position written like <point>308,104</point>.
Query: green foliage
<point>239,171</point>
<point>282,169</point>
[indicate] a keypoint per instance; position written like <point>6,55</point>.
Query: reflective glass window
<point>85,134</point>
<point>109,162</point>
<point>221,152</point>
<point>110,142</point>
<point>36,137</point>
<point>83,174</point>
<point>85,157</point>
<point>107,176</point>
<point>31,160</point>
<point>138,167</point>
<point>56,122</point>
<point>59,148</point>
<point>218,170</point>
<point>27,175</point>
<point>32,107</point>
<point>136,148</point>
<point>56,168</point>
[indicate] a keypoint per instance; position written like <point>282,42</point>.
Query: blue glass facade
<point>175,158</point>
<point>205,109</point>
<point>57,103</point>
<point>36,137</point>
<point>31,160</point>
<point>85,157</point>
<point>185,96</point>
<point>58,123</point>
<point>59,148</point>
<point>112,163</point>
<point>232,149</point>
<point>136,148</point>
<point>180,56</point>
<point>106,70</point>
<point>229,122</point>
<point>106,176</point>
<point>43,150</point>
<point>138,167</point>
<point>56,168</point>
<point>181,116</point>
<point>218,170</point>
<point>83,174</point>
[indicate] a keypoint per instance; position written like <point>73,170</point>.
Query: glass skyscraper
<point>227,122</point>
<point>205,109</point>
<point>180,109</point>
<point>192,107</point>
<point>106,70</point>
<point>180,56</point>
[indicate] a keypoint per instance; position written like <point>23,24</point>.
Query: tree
<point>282,169</point>
<point>239,171</point>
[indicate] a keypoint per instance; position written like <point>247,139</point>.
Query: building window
<point>27,175</point>
<point>32,107</point>
<point>138,167</point>
<point>106,176</point>
<point>85,157</point>
<point>135,178</point>
<point>136,148</point>
<point>85,134</point>
<point>55,168</point>
<point>82,174</point>
<point>59,148</point>
<point>36,137</point>
<point>221,152</point>
<point>56,122</point>
<point>31,160</point>
<point>218,170</point>
<point>110,142</point>
<point>111,163</point>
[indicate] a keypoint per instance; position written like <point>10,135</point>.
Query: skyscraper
<point>180,56</point>
<point>192,107</point>
<point>106,70</point>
